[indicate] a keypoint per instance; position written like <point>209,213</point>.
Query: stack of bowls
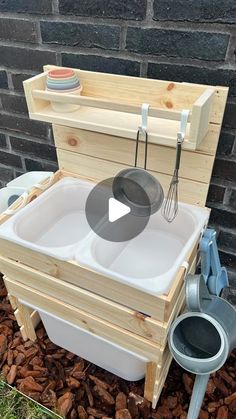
<point>63,80</point>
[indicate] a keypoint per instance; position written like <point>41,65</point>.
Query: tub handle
<point>22,202</point>
<point>45,184</point>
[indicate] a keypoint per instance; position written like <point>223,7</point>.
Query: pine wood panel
<point>117,314</point>
<point>195,165</point>
<point>156,306</point>
<point>35,319</point>
<point>102,328</point>
<point>189,191</point>
<point>161,131</point>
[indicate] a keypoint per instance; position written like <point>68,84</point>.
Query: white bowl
<point>66,107</point>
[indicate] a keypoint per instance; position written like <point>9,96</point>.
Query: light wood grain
<point>112,105</point>
<point>201,116</point>
<point>195,166</point>
<point>152,371</point>
<point>136,90</point>
<point>154,378</point>
<point>35,321</point>
<point>39,82</point>
<point>102,103</point>
<point>106,330</point>
<point>13,301</point>
<point>160,131</point>
<point>160,381</point>
<point>189,191</point>
<point>115,313</point>
<point>71,272</point>
<point>23,316</point>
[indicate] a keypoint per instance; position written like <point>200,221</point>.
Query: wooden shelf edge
<point>92,119</point>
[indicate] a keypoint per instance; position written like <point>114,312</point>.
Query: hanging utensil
<point>170,206</point>
<point>136,187</point>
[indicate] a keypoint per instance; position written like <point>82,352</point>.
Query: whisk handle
<point>178,155</point>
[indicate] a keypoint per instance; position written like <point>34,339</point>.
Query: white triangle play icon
<point>116,210</point>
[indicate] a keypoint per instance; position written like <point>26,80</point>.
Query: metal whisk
<point>170,205</point>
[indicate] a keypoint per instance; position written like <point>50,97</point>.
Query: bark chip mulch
<point>78,389</point>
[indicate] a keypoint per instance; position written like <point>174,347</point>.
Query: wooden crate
<point>111,104</point>
<point>88,149</point>
<point>129,328</point>
<point>159,307</point>
<point>128,317</point>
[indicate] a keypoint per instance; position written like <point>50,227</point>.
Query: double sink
<point>55,224</point>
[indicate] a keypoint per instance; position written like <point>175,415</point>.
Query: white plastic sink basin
<point>151,260</point>
<point>55,224</point>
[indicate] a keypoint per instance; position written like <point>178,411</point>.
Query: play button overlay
<point>110,218</point>
<point>117,210</point>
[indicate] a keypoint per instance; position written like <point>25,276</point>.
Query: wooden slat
<point>161,380</point>
<point>101,103</point>
<point>13,301</point>
<point>72,273</point>
<point>152,371</point>
<point>39,83</point>
<point>189,191</point>
<point>106,330</point>
<point>195,165</point>
<point>23,316</point>
<point>115,313</point>
<point>35,321</point>
<point>105,309</point>
<point>200,120</point>
<point>155,377</point>
<point>219,102</point>
<point>160,131</point>
<point>175,292</point>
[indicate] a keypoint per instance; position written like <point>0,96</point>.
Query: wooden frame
<point>112,310</point>
<point>107,98</point>
<point>159,307</point>
<point>92,149</point>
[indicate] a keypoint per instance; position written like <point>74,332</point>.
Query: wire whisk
<point>171,204</point>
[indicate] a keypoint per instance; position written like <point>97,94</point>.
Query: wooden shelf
<point>100,120</point>
<point>111,104</point>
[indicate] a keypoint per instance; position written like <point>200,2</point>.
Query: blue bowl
<point>62,86</point>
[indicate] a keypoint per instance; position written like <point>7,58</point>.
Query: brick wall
<point>182,40</point>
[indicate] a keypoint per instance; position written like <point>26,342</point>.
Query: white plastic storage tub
<point>151,260</point>
<point>95,349</point>
<point>55,222</point>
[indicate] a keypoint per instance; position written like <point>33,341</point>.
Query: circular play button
<point>110,218</point>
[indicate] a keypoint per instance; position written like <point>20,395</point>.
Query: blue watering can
<point>215,276</point>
